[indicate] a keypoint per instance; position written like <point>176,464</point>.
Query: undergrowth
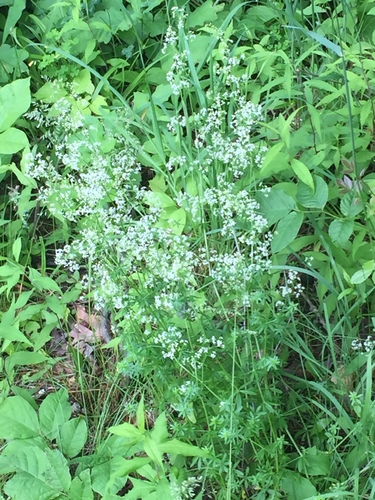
<point>188,213</point>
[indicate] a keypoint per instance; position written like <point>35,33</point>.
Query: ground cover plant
<point>188,213</point>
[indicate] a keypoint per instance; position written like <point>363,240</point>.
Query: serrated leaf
<point>303,173</point>
<point>54,411</point>
<point>18,420</point>
<point>340,231</point>
<point>364,273</point>
<point>176,447</point>
<point>286,231</point>
<point>72,436</point>
<point>57,474</point>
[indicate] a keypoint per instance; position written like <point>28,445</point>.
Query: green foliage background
<point>202,173</point>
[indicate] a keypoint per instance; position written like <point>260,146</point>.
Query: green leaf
<point>15,100</point>
<point>18,420</point>
<point>14,14</point>
<point>314,462</point>
<point>340,231</point>
<point>127,430</point>
<point>57,474</point>
<point>102,476</point>
<point>72,436</point>
<point>205,13</point>
<point>297,487</point>
<point>303,173</point>
<point>81,487</point>
<point>310,198</point>
<point>25,358</point>
<point>13,334</point>
<point>16,249</point>
<point>41,475</point>
<point>50,93</point>
<point>158,199</point>
<point>43,282</point>
<point>131,465</point>
<point>153,451</point>
<point>176,447</point>
<point>275,205</point>
<point>160,431</point>
<point>362,275</point>
<point>351,204</point>
<point>286,231</point>
<point>54,411</point>
<point>12,141</point>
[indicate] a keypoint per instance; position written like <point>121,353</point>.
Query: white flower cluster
<point>366,345</point>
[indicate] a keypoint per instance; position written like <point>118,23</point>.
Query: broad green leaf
<point>158,199</point>
<point>40,474</point>
<point>340,231</point>
<point>102,476</point>
<point>54,411</point>
<point>176,447</point>
<point>205,13</point>
<point>364,273</point>
<point>50,92</point>
<point>159,432</point>
<point>15,100</point>
<point>177,220</point>
<point>18,420</point>
<point>57,474</point>
<point>12,141</point>
<point>72,436</point>
<point>25,358</point>
<point>303,173</point>
<point>286,231</point>
<point>297,487</point>
<point>275,205</point>
<point>82,83</point>
<point>310,198</point>
<point>81,487</point>
<point>314,462</point>
<point>43,282</point>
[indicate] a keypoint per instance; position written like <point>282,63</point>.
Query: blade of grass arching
<point>314,274</point>
<point>158,142</point>
<point>345,421</point>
